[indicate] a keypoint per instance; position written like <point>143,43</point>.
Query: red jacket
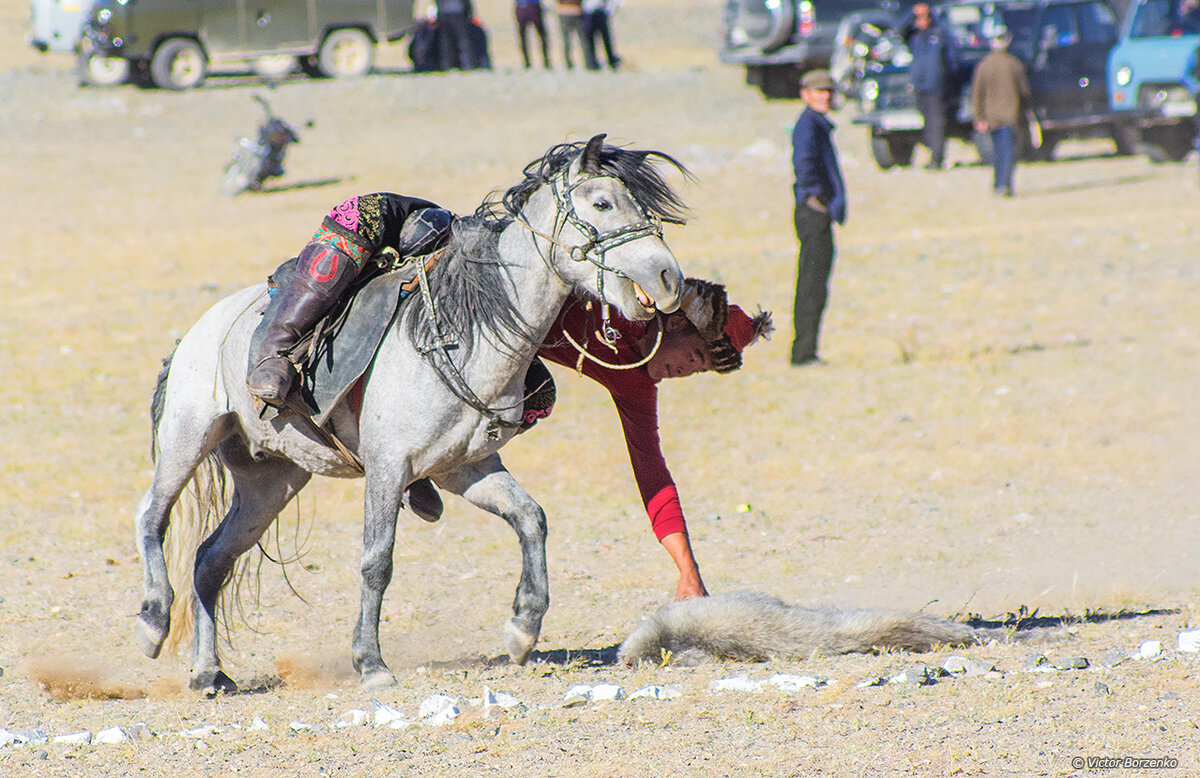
<point>634,393</point>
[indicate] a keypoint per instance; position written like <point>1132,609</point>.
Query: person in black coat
<point>820,201</point>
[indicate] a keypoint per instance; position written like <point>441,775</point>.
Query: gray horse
<point>444,392</point>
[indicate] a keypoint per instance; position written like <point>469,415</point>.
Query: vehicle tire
<point>983,145</point>
<point>1126,138</point>
<point>892,151</point>
<point>762,24</point>
<point>346,53</point>
<point>178,63</point>
<point>1168,144</point>
<point>240,174</point>
<point>276,66</point>
<point>93,70</point>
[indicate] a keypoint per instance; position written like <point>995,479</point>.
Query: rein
<point>583,352</point>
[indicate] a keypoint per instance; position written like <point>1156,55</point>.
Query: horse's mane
<point>633,168</point>
<point>468,283</point>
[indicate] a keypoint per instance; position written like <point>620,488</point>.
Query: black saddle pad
<point>347,339</point>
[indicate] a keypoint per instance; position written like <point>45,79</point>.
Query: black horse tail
<point>157,401</point>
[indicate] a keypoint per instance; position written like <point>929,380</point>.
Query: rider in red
<point>706,333</point>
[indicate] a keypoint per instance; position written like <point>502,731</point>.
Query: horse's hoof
<point>519,643</point>
<point>149,639</point>
<point>378,679</point>
<point>212,684</point>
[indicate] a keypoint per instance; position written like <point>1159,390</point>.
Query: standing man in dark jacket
<point>932,74</point>
<point>820,201</point>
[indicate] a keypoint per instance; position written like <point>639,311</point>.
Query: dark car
<point>778,39</point>
<point>177,42</point>
<point>1064,45</point>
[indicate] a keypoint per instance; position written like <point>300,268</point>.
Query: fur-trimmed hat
<point>726,329</point>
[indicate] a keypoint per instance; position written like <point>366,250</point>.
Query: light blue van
<point>1147,73</point>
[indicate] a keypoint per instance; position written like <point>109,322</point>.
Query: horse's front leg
<point>489,486</point>
<point>380,507</point>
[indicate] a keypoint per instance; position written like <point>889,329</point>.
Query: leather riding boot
<point>322,275</point>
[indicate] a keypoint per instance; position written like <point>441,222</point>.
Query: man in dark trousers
<point>999,99</point>
<point>932,74</point>
<point>820,201</point>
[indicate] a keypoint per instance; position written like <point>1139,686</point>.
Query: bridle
<point>596,245</point>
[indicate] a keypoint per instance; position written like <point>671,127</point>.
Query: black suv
<point>1064,45</point>
<point>777,39</point>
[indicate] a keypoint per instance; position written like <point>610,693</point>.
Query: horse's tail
<point>198,511</point>
<point>749,626</point>
<point>157,402</point>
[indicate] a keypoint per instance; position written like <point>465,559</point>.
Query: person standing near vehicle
<point>596,16</point>
<point>570,20</point>
<point>529,14</point>
<point>999,96</point>
<point>454,34</point>
<point>820,195</point>
<point>933,77</point>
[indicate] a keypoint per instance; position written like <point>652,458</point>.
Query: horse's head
<point>607,230</point>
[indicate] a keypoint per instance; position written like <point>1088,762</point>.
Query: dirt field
<point>1007,420</point>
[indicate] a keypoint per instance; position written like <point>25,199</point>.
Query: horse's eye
<point>602,205</point>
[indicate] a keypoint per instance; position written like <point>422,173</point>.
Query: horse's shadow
<point>1024,621</point>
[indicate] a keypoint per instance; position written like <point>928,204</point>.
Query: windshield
<point>975,24</point>
<point>1166,18</point>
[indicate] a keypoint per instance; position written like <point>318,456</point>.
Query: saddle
<point>339,351</point>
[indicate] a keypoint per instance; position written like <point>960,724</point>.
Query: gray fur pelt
<point>753,627</point>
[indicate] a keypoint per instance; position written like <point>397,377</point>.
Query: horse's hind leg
<point>182,446</point>
<point>261,490</point>
<point>489,486</point>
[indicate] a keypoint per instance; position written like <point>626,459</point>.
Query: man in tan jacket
<point>999,98</point>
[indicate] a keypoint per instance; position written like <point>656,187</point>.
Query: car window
<point>1161,18</point>
<point>1059,27</point>
<point>1096,23</point>
<point>1019,21</point>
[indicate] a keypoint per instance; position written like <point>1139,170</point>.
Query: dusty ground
<point>1007,419</point>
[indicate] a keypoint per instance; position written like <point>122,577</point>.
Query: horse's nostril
<point>670,282</point>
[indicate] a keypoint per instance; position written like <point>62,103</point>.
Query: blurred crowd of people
<point>450,37</point>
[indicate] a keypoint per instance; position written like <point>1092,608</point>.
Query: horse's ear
<point>589,161</point>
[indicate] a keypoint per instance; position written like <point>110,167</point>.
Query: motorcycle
<point>254,161</point>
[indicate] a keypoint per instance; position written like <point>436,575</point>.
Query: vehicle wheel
<point>1168,144</point>
<point>891,151</point>
<point>1126,138</point>
<point>346,53</point>
<point>274,67</point>
<point>178,64</point>
<point>983,145</point>
<point>93,70</point>
<point>239,175</point>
